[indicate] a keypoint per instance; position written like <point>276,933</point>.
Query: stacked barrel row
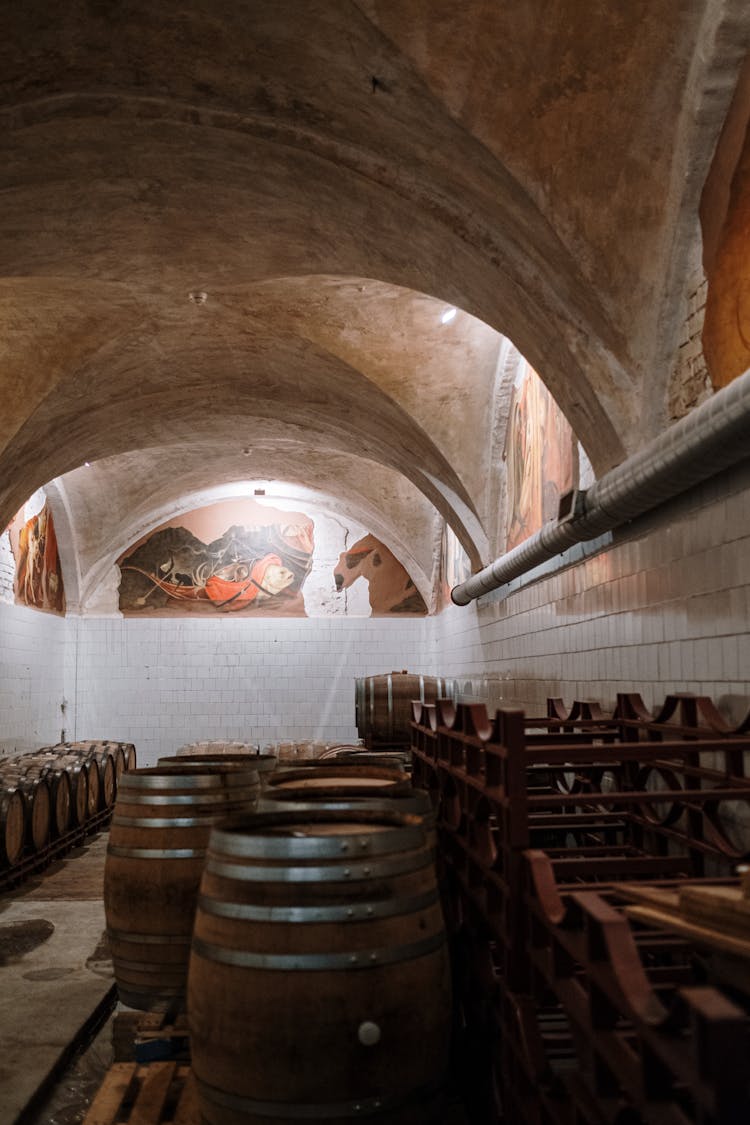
<point>302,932</point>
<point>49,792</point>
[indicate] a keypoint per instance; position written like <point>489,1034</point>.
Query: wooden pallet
<point>150,1036</point>
<point>162,1093</point>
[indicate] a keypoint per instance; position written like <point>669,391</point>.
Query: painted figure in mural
<point>243,568</point>
<point>391,590</point>
<point>540,458</point>
<point>38,574</point>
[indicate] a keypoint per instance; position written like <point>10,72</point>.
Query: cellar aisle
<point>55,975</point>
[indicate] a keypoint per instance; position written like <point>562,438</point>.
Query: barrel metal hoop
<point>314,847</point>
<point>320,962</point>
<point>361,1107</point>
<point>355,912</point>
<point>186,781</point>
<point>163,821</point>
<point>216,799</point>
<point>155,853</point>
<point>148,939</point>
<point>334,873</point>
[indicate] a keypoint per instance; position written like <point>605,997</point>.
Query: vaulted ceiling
<point>236,227</point>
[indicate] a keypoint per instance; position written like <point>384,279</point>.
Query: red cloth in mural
<point>239,592</point>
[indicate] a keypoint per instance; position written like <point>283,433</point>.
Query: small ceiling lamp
<point>448,315</point>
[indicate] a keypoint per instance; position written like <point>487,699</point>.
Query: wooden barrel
<point>157,845</point>
<point>38,812</point>
<point>118,754</point>
<point>319,985</point>
<point>317,764</point>
<point>101,761</point>
<point>78,774</point>
<point>61,799</point>
<point>21,774</point>
<point>345,779</point>
<point>265,764</point>
<point>394,759</point>
<point>414,802</point>
<point>12,827</point>
<point>383,705</point>
<point>217,746</point>
<point>93,777</point>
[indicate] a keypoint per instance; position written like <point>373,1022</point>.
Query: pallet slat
<point>162,1093</point>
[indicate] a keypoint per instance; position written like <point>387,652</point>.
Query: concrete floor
<point>54,974</point>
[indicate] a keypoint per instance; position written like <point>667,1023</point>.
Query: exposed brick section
<point>691,383</point>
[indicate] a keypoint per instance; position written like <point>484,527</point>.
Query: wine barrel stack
<point>47,795</point>
<point>296,930</point>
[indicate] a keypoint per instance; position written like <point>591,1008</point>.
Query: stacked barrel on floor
<point>46,794</point>
<point>567,843</point>
<point>317,982</point>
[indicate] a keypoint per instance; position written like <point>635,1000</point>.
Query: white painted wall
<point>665,609</point>
<point>32,674</point>
<point>163,682</point>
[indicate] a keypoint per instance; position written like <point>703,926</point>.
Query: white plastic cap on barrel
<point>368,1033</point>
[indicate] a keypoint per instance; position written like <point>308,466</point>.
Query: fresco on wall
<point>235,557</point>
<point>455,566</point>
<point>391,590</point>
<point>38,578</point>
<point>541,456</point>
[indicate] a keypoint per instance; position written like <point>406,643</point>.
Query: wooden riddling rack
<point>53,798</point>
<point>571,1006</point>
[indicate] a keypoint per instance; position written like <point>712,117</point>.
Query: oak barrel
<point>383,705</point>
<point>344,779</point>
<point>265,764</point>
<point>39,812</point>
<point>157,845</point>
<point>61,799</point>
<point>318,985</point>
<point>12,825</point>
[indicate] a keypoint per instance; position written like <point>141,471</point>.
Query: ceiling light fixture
<point>448,316</point>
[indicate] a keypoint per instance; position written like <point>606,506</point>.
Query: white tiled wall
<point>32,659</point>
<point>665,608</point>
<point>160,683</point>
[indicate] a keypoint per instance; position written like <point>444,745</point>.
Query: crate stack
<point>563,841</point>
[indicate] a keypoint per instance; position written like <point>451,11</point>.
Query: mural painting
<point>541,458</point>
<point>455,566</point>
<point>204,562</point>
<point>38,578</point>
<point>391,590</point>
